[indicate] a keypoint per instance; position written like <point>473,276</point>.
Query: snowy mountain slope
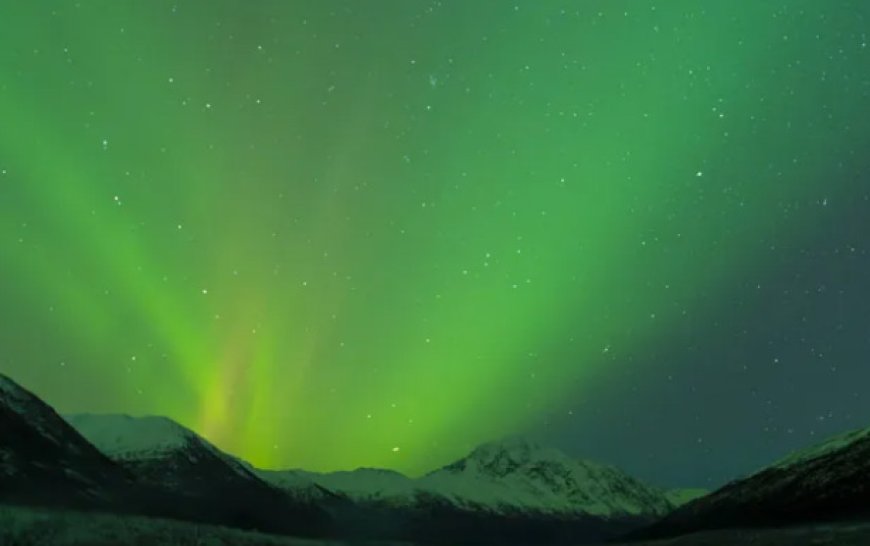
<point>299,485</point>
<point>125,436</point>
<point>361,485</point>
<point>831,445</point>
<point>519,475</point>
<point>508,477</point>
<point>371,483</point>
<point>131,439</point>
<point>504,492</point>
<point>209,484</point>
<point>679,497</point>
<point>829,481</point>
<point>44,461</point>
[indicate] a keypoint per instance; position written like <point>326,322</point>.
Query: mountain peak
<point>122,435</point>
<point>502,457</point>
<point>518,472</point>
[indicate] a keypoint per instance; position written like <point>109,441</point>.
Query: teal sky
<point>333,234</point>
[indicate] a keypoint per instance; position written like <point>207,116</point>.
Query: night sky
<point>336,233</point>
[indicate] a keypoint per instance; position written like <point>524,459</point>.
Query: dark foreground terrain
<point>32,527</point>
<point>38,527</point>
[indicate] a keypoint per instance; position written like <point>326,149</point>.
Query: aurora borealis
<point>332,233</point>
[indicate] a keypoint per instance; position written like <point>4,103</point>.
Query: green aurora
<point>333,233</point>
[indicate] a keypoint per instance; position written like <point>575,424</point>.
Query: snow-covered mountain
<point>828,447</point>
<point>137,442</point>
<point>211,484</point>
<point>518,475</point>
<point>367,483</point>
<point>501,478</point>
<point>43,460</point>
<point>505,492</point>
<point>361,485</point>
<point>297,484</point>
<point>509,491</point>
<point>829,481</point>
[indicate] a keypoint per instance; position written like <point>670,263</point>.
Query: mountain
<point>369,484</point>
<point>138,442</point>
<point>43,461</point>
<point>501,477</point>
<point>364,485</point>
<point>510,491</point>
<point>516,491</point>
<point>504,492</point>
<point>298,484</point>
<point>518,475</point>
<point>827,482</point>
<point>205,483</point>
<point>679,497</point>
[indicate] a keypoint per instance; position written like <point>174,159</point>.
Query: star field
<point>328,234</point>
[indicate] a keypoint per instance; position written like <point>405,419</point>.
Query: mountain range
<point>511,491</point>
<point>204,483</point>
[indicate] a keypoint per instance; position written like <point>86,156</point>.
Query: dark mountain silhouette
<point>204,483</point>
<point>827,482</point>
<point>43,461</point>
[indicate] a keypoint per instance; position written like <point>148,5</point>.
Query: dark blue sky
<point>780,364</point>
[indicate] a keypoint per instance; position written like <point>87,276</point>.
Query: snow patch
<point>122,436</point>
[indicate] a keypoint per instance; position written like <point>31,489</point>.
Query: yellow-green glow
<point>315,231</point>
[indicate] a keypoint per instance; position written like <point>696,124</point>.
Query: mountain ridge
<point>826,482</point>
<point>211,484</point>
<point>43,460</point>
<point>132,441</point>
<point>511,490</point>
